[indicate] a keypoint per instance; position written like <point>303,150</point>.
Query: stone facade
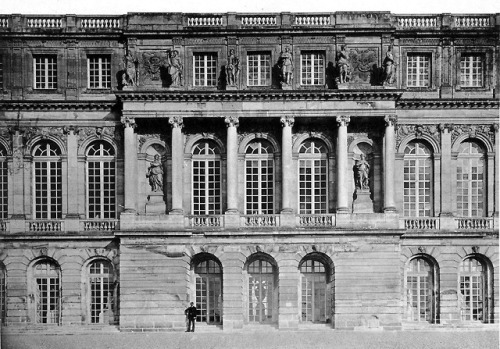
<point>150,160</point>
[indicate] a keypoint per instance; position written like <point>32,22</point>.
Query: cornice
<point>484,103</point>
<point>41,105</point>
<point>279,95</point>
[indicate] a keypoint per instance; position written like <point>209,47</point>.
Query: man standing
<point>191,317</point>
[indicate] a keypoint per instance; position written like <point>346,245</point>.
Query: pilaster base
<point>390,209</point>
<point>288,219</point>
<point>231,88</point>
<point>232,219</point>
<point>286,87</point>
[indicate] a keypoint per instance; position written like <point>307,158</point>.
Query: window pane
<point>418,70</point>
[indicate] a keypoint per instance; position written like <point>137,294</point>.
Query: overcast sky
<point>124,6</point>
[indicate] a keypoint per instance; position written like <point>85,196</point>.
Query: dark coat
<point>191,312</point>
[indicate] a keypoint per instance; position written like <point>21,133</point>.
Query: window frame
<point>434,78</point>
<point>45,82</point>
<point>320,70</point>
<point>418,158</point>
<point>259,54</point>
<point>100,71</point>
<point>4,183</point>
<point>110,288</point>
<point>419,70</point>
<point>206,54</point>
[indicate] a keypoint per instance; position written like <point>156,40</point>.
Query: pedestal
<point>362,203</point>
<point>155,204</point>
<point>286,86</point>
<point>231,88</point>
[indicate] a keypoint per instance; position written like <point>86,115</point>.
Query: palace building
<point>280,170</point>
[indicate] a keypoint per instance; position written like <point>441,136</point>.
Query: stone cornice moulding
<point>447,103</point>
<point>267,95</point>
<point>42,105</point>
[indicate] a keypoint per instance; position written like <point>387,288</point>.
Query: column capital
<point>176,121</point>
<point>287,121</point>
<point>128,122</point>
<point>343,120</point>
<point>445,128</point>
<point>232,121</point>
<point>390,120</point>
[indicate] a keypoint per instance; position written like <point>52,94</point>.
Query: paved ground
<point>272,340</point>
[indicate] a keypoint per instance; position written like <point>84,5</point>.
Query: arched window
<point>420,291</point>
<point>313,178</point>
<point>206,178</point>
<point>4,178</point>
<point>3,294</point>
<point>316,298</point>
<point>261,291</point>
<point>101,181</point>
<point>47,292</point>
<point>417,180</point>
<point>208,291</point>
<point>470,180</point>
<point>475,295</point>
<point>47,177</point>
<point>101,282</point>
<point>259,178</point>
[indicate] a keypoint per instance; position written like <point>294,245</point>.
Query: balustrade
<point>212,21</point>
<point>421,223</point>
<point>49,22</point>
<point>205,221</point>
<point>418,22</point>
<point>45,225</point>
<point>4,22</point>
<point>258,20</point>
<point>472,22</point>
<point>304,20</point>
<point>316,220</point>
<point>257,221</point>
<point>480,223</point>
<point>100,23</point>
<point>99,225</point>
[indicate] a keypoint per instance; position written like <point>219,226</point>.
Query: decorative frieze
<point>418,131</point>
<point>44,132</point>
<point>419,42</point>
<point>473,131</point>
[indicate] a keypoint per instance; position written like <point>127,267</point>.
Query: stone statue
<point>129,77</point>
<point>155,174</point>
<point>389,68</point>
<point>232,69</point>
<point>361,173</point>
<point>175,67</point>
<point>286,64</point>
<point>343,67</point>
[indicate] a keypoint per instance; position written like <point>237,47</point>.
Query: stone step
<point>54,329</point>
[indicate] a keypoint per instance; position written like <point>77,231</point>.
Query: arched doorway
<point>208,289</point>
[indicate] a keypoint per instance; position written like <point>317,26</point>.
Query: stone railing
<point>312,20</point>
<point>417,22</point>
<point>4,22</point>
<point>255,21</point>
<point>316,220</point>
<point>474,223</point>
<point>421,223</point>
<point>260,221</point>
<point>4,225</point>
<point>205,21</point>
<point>100,22</point>
<point>44,22</point>
<point>205,221</point>
<point>45,225</point>
<point>99,224</point>
<point>471,21</point>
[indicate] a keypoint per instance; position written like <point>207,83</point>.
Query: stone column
<point>16,183</point>
<point>496,195</point>
<point>342,199</point>
<point>287,164</point>
<point>72,221</point>
<point>130,170</point>
<point>389,153</point>
<point>232,123</point>
<point>446,173</point>
<point>177,164</point>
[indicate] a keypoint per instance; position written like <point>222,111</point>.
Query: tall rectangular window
<point>206,187</point>
<point>418,70</point>
<point>205,69</point>
<point>259,69</point>
<point>1,72</point>
<point>99,72</point>
<point>45,72</point>
<point>48,190</point>
<point>3,188</point>
<point>471,71</point>
<point>312,68</point>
